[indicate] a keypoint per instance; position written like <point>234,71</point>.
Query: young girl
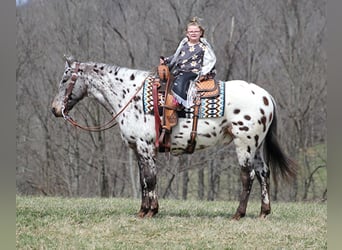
<point>193,59</point>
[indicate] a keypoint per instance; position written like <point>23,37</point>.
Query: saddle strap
<point>190,148</point>
<point>157,120</point>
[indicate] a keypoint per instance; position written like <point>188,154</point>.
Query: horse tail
<point>275,157</point>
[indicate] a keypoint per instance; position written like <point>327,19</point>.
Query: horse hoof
<point>141,214</point>
<point>263,215</point>
<point>150,214</point>
<point>238,216</point>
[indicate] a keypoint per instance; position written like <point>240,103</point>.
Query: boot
<point>170,113</point>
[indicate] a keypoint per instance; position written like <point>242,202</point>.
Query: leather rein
<point>111,123</point>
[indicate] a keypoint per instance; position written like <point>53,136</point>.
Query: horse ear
<point>69,59</point>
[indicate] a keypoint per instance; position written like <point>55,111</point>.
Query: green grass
<point>96,223</point>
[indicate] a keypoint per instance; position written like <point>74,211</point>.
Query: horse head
<point>72,88</point>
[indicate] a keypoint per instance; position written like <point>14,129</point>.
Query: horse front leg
<point>247,178</point>
<point>148,181</point>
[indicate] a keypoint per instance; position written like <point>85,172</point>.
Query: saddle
<point>205,88</point>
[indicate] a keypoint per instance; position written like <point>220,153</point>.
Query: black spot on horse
<point>245,128</point>
<point>263,121</point>
<point>132,77</point>
<point>271,116</point>
<point>256,138</point>
<point>236,111</point>
<point>206,135</point>
<point>247,117</point>
<point>223,122</point>
<point>136,98</point>
<point>265,174</point>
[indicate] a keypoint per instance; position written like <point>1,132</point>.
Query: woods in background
<point>278,45</point>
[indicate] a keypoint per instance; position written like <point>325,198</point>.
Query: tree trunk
<point>132,168</point>
<point>200,191</point>
<point>185,184</point>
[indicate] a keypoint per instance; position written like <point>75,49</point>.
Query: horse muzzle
<point>56,112</point>
<point>57,108</point>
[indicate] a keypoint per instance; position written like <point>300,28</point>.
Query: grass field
<point>97,223</point>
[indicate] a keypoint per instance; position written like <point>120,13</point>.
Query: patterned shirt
<point>190,58</point>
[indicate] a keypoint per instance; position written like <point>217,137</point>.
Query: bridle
<point>111,123</point>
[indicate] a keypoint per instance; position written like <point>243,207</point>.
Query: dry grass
<point>60,223</point>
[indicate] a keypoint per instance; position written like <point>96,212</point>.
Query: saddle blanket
<point>212,107</point>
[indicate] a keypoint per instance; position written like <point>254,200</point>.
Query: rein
<point>99,128</point>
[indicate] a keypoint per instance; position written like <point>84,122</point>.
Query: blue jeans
<point>181,85</point>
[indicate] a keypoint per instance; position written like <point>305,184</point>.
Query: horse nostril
<point>53,110</point>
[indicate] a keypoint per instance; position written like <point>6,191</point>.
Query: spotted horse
<point>249,121</point>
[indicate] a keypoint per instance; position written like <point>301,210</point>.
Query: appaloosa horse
<point>249,119</point>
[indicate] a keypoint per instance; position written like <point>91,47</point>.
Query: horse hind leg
<point>247,177</point>
<point>263,175</point>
